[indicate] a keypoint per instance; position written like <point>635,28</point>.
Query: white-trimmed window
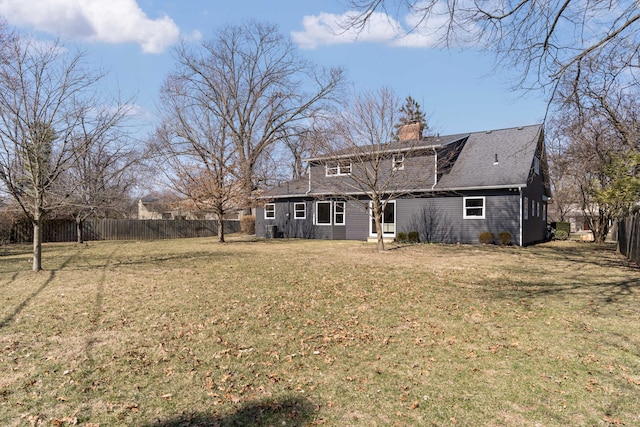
<point>323,213</point>
<point>526,208</point>
<point>397,162</point>
<point>340,168</point>
<point>269,211</point>
<point>300,210</point>
<point>473,207</point>
<point>339,213</point>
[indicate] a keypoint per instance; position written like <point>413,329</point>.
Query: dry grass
<point>189,332</point>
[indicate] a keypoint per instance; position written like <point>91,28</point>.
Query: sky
<point>459,89</point>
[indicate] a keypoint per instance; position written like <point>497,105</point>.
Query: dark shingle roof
<point>296,187</point>
<point>476,165</point>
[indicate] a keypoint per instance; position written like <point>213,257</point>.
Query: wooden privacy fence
<point>629,238</point>
<point>122,229</point>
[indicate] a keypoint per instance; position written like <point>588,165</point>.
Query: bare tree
<point>546,40</point>
<point>47,101</point>
<point>359,140</point>
<point>198,157</point>
<point>302,143</point>
<point>256,84</point>
<point>566,194</point>
<point>99,180</point>
<point>600,136</point>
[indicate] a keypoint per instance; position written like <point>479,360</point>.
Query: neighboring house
<point>455,187</point>
<point>154,208</point>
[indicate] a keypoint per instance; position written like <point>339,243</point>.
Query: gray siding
<point>440,219</point>
<point>287,225</point>
<point>418,173</point>
<point>357,221</point>
<point>437,219</point>
<point>290,227</point>
<point>535,226</point>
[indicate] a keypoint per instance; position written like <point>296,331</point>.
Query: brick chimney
<point>410,132</point>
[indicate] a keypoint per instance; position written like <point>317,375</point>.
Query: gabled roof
<point>476,166</point>
<point>500,158</point>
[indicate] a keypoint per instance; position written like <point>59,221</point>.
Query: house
<point>156,208</point>
<point>447,188</point>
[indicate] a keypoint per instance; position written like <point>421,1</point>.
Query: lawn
<point>296,333</point>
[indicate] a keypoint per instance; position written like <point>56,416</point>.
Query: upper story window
<point>269,211</point>
<point>397,162</point>
<point>338,168</point>
<point>536,165</point>
<point>473,207</point>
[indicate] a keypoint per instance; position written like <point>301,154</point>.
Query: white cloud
<point>329,29</point>
<point>108,21</point>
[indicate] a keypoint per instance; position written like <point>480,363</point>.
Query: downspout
<point>435,168</point>
<point>313,219</point>
<point>521,219</point>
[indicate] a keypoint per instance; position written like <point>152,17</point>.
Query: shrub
<point>401,237</point>
<point>486,237</point>
<point>248,224</point>
<point>561,235</point>
<point>504,238</point>
<point>414,237</point>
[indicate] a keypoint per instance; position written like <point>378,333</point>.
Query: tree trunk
<point>37,243</point>
<point>79,227</point>
<point>600,228</point>
<point>220,228</point>
<point>380,235</point>
<point>377,217</point>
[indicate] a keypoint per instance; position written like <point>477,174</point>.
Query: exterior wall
<point>290,227</point>
<point>418,172</point>
<point>534,209</point>
<point>440,219</point>
<point>287,225</point>
<point>357,221</point>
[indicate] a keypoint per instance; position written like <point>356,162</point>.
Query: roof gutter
<point>415,190</point>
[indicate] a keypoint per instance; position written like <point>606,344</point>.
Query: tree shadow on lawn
<point>587,253</point>
<point>618,281</point>
<point>269,412</point>
<point>8,319</point>
<point>605,292</point>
